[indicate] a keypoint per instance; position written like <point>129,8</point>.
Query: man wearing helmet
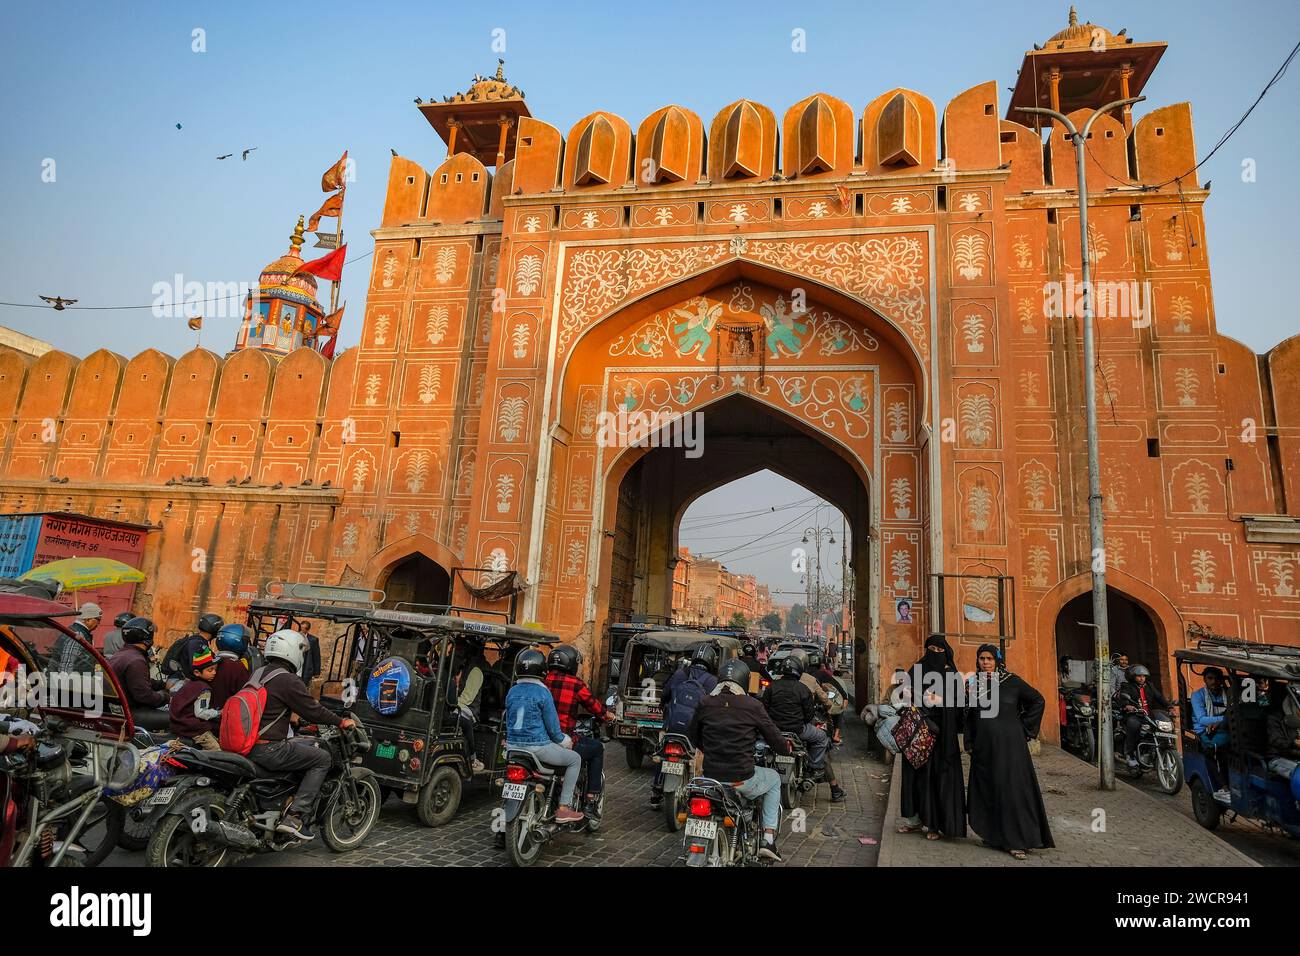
<point>682,695</point>
<point>749,654</point>
<point>113,639</point>
<point>789,702</point>
<point>1138,698</point>
<point>725,728</point>
<point>131,665</point>
<point>533,724</point>
<point>572,695</point>
<point>275,751</point>
<point>232,672</point>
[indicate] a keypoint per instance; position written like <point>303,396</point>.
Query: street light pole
<point>1105,741</point>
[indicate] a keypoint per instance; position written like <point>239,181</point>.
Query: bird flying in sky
<point>247,151</point>
<point>227,156</point>
<point>58,302</point>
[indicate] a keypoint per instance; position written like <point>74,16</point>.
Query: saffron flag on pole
<point>195,323</point>
<point>333,206</point>
<point>327,267</point>
<point>333,178</point>
<point>327,350</point>
<point>330,324</point>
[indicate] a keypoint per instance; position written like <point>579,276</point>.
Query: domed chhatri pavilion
<point>287,313</point>
<point>856,296</point>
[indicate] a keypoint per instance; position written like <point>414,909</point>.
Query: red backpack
<point>241,715</point>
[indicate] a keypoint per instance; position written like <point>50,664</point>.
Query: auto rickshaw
<point>648,660</point>
<point>395,670</point>
<point>1255,792</point>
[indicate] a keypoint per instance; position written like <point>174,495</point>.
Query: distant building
<point>11,341</point>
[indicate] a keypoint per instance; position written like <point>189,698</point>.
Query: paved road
<point>631,835</point>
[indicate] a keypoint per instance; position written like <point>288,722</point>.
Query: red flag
<point>327,267</point>
<point>327,350</point>
<point>330,324</point>
<point>333,178</point>
<point>333,206</point>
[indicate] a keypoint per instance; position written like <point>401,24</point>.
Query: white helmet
<point>287,645</point>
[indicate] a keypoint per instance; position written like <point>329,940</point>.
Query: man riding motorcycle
<point>571,695</point>
<point>533,724</point>
<point>113,639</point>
<point>725,728</point>
<point>749,654</point>
<point>682,694</point>
<point>275,752</point>
<point>789,702</point>
<point>1140,698</point>
<point>131,665</point>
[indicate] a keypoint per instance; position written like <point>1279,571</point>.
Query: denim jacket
<point>531,720</point>
<point>1208,713</point>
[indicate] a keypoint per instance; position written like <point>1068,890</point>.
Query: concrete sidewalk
<point>1126,827</point>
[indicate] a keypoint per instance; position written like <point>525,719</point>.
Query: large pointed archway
<point>783,376</point>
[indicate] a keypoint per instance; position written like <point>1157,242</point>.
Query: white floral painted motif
<point>505,492</point>
<point>1188,384</point>
<point>349,543</point>
<point>979,508</point>
<point>900,205</point>
<point>969,256</point>
<point>435,325</point>
<point>969,202</point>
<point>1181,309</point>
<point>510,418</point>
<point>1038,560</point>
<point>1281,569</point>
<point>444,265</point>
<point>532,223</point>
<point>900,493</point>
<point>1198,491</point>
<point>499,565</point>
<point>1174,240</point>
<point>411,522</point>
<point>739,212</point>
<point>573,556</point>
<point>430,384</point>
<point>578,490</point>
<point>360,471</point>
<point>973,331</point>
<point>382,322</point>
<point>818,210</point>
<point>1023,251</point>
<point>1025,311</point>
<point>976,413</point>
<point>519,338</point>
<point>372,388</point>
<point>663,215</point>
<point>1036,486</point>
<point>1098,245</point>
<point>389,270</point>
<point>417,470</point>
<point>896,416</point>
<point>528,274</point>
<point>900,565</point>
<point>1029,382</point>
<point>1203,569</point>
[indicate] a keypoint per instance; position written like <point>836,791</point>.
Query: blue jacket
<point>682,675</point>
<point>531,720</point>
<point>1202,722</point>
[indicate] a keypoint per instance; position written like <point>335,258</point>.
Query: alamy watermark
<point>632,429</point>
<point>60,690</point>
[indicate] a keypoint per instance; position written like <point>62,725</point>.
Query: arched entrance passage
<point>1143,624</point>
<point>827,393</point>
<point>414,570</point>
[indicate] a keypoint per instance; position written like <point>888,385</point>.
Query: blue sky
<point>99,88</point>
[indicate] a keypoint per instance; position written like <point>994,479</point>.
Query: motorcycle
<point>52,811</point>
<point>1157,747</point>
<point>676,757</point>
<point>221,805</point>
<point>1078,732</point>
<point>724,827</point>
<point>530,795</point>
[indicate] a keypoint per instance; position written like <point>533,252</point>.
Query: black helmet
<point>210,624</point>
<point>814,659</point>
<point>706,656</point>
<point>748,650</point>
<point>1137,670</point>
<point>564,659</point>
<point>736,671</point>
<point>801,655</point>
<point>138,630</point>
<point>790,666</point>
<point>121,619</point>
<point>530,663</point>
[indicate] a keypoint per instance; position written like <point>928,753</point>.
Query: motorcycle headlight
<point>1085,710</point>
<point>1165,725</point>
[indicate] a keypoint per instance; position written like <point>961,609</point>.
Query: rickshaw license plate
<point>162,796</point>
<point>704,829</point>
<point>514,791</point>
<point>673,768</point>
<point>785,761</point>
<point>387,751</point>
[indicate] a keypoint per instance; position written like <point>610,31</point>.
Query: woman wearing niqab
<point>932,795</point>
<point>1006,805</point>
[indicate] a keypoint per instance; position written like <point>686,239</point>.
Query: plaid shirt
<point>571,696</point>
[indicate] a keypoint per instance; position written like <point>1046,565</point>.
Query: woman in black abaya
<point>932,795</point>
<point>1006,806</point>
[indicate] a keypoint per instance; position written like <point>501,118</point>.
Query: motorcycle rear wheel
<point>1087,748</point>
<point>674,803</point>
<point>634,754</point>
<point>343,831</point>
<point>791,793</point>
<point>521,845</point>
<point>174,842</point>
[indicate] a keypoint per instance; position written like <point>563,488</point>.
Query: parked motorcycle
<point>1079,729</point>
<point>530,795</point>
<point>52,811</point>
<point>220,805</point>
<point>676,757</point>
<point>1157,748</point>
